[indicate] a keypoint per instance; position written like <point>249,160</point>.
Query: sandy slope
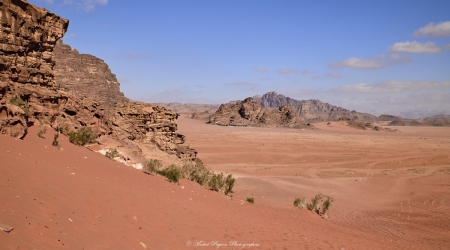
<point>79,199</point>
<point>395,186</point>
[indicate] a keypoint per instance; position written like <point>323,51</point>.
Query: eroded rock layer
<point>27,37</point>
<point>86,76</point>
<point>250,113</point>
<point>29,95</point>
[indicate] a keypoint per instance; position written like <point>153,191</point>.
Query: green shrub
<point>315,203</point>
<point>153,166</point>
<point>62,127</point>
<point>320,204</point>
<point>229,184</point>
<point>172,172</point>
<point>112,153</point>
<point>326,205</point>
<point>197,172</point>
<point>83,136</point>
<point>42,130</point>
<point>251,200</point>
<point>216,182</point>
<point>17,101</point>
<point>300,202</point>
<point>55,142</point>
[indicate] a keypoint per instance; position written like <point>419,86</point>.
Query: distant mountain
<point>312,110</point>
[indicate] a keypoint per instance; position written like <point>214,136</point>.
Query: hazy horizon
<point>378,57</point>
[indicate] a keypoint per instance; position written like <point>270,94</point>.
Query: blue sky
<point>377,56</point>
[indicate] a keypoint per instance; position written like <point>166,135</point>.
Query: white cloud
<point>392,86</point>
<point>415,47</point>
<point>358,64</point>
<point>287,71</point>
<point>376,62</point>
<point>434,30</point>
<point>306,72</point>
<point>261,69</point>
<point>89,5</point>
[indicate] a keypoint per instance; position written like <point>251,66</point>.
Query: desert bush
<point>300,202</point>
<point>315,203</point>
<point>62,127</point>
<point>17,101</point>
<point>172,172</point>
<point>216,182</point>
<point>251,200</point>
<point>153,166</point>
<point>41,131</point>
<point>197,172</point>
<point>42,128</point>
<point>112,153</point>
<point>55,142</point>
<point>229,184</point>
<point>83,136</point>
<point>326,205</point>
<point>320,204</point>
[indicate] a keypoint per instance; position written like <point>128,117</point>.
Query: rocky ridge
<point>311,110</point>
<point>86,76</point>
<point>250,113</point>
<point>138,130</point>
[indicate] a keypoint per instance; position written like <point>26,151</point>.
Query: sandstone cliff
<point>29,95</point>
<point>311,110</point>
<point>86,76</point>
<point>250,113</point>
<point>27,37</point>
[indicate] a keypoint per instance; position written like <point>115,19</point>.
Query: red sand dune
<point>79,199</point>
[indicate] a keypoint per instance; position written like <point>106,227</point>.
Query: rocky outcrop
<point>86,76</point>
<point>28,96</point>
<point>132,125</point>
<point>311,110</point>
<point>250,113</point>
<point>27,37</point>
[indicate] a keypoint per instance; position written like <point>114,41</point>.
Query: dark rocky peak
<point>86,76</point>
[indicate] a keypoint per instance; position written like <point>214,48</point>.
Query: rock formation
<point>29,95</point>
<point>86,76</point>
<point>250,113</point>
<point>311,110</point>
<point>27,37</point>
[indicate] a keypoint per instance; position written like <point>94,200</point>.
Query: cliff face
<point>27,37</point>
<point>311,110</point>
<point>86,76</point>
<point>250,113</point>
<point>28,96</point>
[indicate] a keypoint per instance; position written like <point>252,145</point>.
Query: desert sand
<point>395,186</point>
<point>391,191</point>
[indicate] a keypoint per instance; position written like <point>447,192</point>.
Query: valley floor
<point>395,186</point>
